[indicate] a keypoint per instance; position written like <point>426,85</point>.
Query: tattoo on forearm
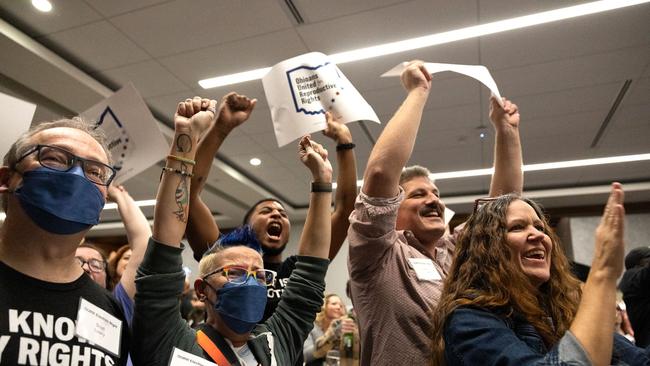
<point>184,143</point>
<point>182,196</point>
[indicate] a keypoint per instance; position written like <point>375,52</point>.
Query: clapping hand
<point>610,248</point>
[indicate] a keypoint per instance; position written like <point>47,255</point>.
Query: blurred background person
<point>93,261</point>
<point>117,262</point>
<point>635,286</point>
<point>623,325</point>
<point>330,326</point>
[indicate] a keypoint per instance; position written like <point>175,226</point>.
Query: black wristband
<point>349,146</point>
<point>318,187</point>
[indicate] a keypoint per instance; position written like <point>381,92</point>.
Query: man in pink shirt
<point>399,252</point>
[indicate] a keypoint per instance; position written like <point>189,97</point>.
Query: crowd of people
<point>497,290</point>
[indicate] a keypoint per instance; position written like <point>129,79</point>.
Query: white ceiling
<point>565,77</point>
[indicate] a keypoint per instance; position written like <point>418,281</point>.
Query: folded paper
<point>16,117</point>
<point>133,136</point>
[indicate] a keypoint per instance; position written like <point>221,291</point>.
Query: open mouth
<point>535,255</point>
<point>274,230</point>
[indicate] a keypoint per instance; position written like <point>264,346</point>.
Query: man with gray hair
<point>399,252</point>
<point>53,185</point>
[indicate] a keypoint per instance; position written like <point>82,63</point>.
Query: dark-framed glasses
<point>95,265</point>
<point>62,160</point>
<point>239,275</point>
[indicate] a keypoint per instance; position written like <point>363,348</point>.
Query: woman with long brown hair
<point>510,298</point>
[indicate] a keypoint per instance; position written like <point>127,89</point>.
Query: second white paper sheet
<point>478,72</point>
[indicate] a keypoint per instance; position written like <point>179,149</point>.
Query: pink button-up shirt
<point>393,305</point>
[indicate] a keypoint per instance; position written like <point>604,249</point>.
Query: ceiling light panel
<point>443,37</point>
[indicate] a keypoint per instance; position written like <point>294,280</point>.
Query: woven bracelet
<point>182,160</point>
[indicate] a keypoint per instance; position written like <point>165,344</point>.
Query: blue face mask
<point>241,306</point>
<point>60,202</point>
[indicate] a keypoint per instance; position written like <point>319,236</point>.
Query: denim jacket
<point>475,336</point>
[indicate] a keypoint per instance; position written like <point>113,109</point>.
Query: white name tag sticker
<point>99,327</point>
<point>182,358</point>
<point>424,269</point>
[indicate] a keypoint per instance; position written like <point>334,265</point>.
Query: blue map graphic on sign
<point>118,139</point>
<point>314,87</point>
<point>106,111</point>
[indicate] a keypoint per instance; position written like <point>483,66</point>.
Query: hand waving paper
<point>478,72</point>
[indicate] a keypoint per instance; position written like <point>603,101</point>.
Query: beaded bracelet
<point>177,171</point>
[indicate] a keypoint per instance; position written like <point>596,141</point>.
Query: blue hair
<point>243,235</point>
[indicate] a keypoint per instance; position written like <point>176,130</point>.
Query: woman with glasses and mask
<point>510,298</point>
<point>233,280</point>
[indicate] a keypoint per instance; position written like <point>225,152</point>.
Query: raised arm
<point>346,181</point>
<point>138,233</point>
<point>508,176</point>
<point>316,234</point>
<point>594,322</point>
<point>157,322</point>
<point>171,213</point>
<point>395,145</point>
<point>202,230</point>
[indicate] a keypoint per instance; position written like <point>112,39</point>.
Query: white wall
<point>637,233</point>
<point>337,274</point>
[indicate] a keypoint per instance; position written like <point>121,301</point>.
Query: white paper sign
<point>182,358</point>
<point>99,327</point>
<point>478,72</point>
<point>301,89</point>
<point>16,116</point>
<point>424,269</point>
<point>134,139</point>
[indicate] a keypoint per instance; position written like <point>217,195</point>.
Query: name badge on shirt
<point>97,326</point>
<point>424,269</point>
<point>182,358</point>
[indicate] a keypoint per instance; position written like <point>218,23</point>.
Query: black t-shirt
<point>274,292</point>
<point>635,286</point>
<point>37,322</point>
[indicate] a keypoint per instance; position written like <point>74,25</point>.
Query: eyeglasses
<point>479,202</point>
<point>239,275</point>
<point>62,160</point>
<point>95,265</point>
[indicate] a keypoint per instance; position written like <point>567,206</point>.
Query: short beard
<point>273,251</point>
